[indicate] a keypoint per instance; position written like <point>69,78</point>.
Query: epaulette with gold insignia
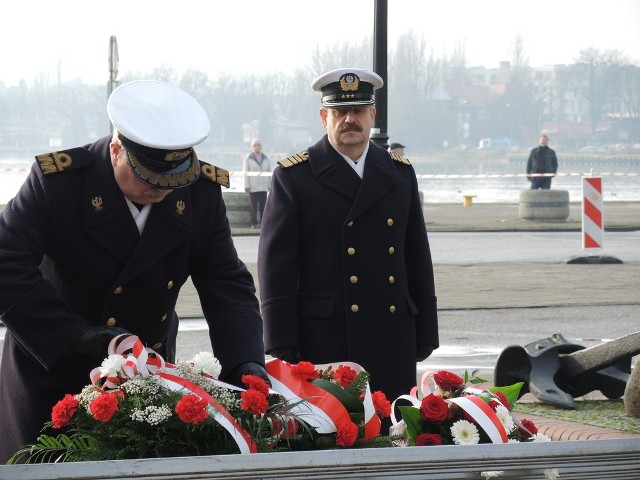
<point>215,174</point>
<point>294,159</point>
<point>56,162</point>
<point>399,159</point>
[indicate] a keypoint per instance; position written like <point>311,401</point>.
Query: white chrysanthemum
<point>505,417</point>
<point>551,474</point>
<point>206,363</point>
<point>112,365</point>
<point>465,433</point>
<point>540,437</point>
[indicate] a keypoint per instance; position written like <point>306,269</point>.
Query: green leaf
<point>352,403</point>
<point>512,392</point>
<point>413,420</point>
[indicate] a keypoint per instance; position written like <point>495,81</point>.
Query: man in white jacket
<point>256,186</point>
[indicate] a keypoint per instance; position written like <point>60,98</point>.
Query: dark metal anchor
<point>556,370</point>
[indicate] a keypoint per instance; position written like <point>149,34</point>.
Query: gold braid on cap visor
<point>172,180</point>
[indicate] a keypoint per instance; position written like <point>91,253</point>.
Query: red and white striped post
<point>592,222</point>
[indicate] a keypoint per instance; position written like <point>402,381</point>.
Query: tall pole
<point>380,136</point>
<point>114,60</point>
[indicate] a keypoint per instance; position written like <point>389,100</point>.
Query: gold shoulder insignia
<point>399,159</point>
<point>56,162</point>
<point>294,159</point>
<point>215,174</point>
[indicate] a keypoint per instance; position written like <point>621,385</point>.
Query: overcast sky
<point>44,37</point>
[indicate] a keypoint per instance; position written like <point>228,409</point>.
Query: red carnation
<point>347,434</point>
<point>254,401</point>
<point>305,371</point>
<point>448,381</point>
<point>381,404</point>
<point>256,382</point>
<point>434,408</point>
<point>192,409</point>
<point>528,425</point>
<point>344,375</point>
<point>428,439</point>
<point>104,407</point>
<point>64,410</point>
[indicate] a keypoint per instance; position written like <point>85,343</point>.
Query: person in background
<point>98,242</point>
<point>542,159</point>
<point>344,264</point>
<point>256,186</point>
<point>397,148</point>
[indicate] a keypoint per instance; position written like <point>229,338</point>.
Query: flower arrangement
<point>138,406</point>
<point>334,399</point>
<point>448,411</point>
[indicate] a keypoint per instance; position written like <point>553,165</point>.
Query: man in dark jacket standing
<point>98,242</point>
<point>542,159</point>
<point>344,264</point>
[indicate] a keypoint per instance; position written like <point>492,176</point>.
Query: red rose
<point>381,404</point>
<point>254,401</point>
<point>256,382</point>
<point>530,426</point>
<point>428,439</point>
<point>448,381</point>
<point>104,407</point>
<point>305,371</point>
<point>347,434</point>
<point>503,399</point>
<point>192,409</point>
<point>64,410</point>
<point>434,408</point>
<point>344,375</point>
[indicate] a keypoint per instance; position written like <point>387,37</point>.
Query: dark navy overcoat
<point>344,265</point>
<point>71,257</point>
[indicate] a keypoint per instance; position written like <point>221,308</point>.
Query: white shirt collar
<point>358,165</point>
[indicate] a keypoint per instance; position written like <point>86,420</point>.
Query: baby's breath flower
<point>88,394</point>
<point>465,433</point>
<point>112,365</point>
<point>153,414</point>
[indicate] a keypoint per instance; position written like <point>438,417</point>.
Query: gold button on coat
<point>156,346</point>
<point>351,250</point>
<point>392,279</point>
<point>117,291</point>
<point>392,309</point>
<point>111,322</point>
<point>390,221</point>
<point>170,285</point>
<point>353,279</point>
<point>350,224</point>
<point>392,250</point>
<point>163,318</point>
<point>354,308</point>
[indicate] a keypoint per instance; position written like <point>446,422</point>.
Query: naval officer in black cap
<point>344,264</point>
<point>98,242</point>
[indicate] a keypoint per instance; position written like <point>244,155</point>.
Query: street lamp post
<point>379,135</point>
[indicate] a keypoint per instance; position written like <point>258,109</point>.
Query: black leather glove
<point>247,368</point>
<point>423,352</point>
<point>95,340</point>
<point>287,354</point>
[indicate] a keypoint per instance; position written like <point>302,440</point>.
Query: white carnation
<point>205,362</point>
<point>112,365</point>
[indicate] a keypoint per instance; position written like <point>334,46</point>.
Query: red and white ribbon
<point>145,361</point>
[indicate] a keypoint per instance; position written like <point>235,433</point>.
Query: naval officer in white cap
<point>344,264</point>
<point>98,242</point>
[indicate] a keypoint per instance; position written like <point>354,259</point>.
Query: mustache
<point>350,127</point>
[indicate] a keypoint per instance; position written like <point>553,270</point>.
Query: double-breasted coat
<point>71,257</point>
<point>344,265</point>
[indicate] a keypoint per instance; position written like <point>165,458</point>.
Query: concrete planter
<point>544,205</point>
<point>237,208</point>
